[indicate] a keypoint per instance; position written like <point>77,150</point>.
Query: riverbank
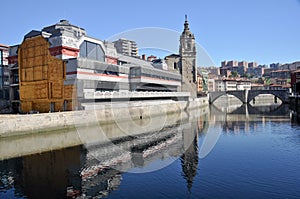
<point>30,134</point>
<point>15,125</point>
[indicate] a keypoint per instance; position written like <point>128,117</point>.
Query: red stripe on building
<point>12,59</point>
<point>96,74</point>
<point>154,78</point>
<point>93,74</point>
<point>64,50</point>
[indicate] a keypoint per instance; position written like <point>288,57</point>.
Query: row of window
<point>138,73</point>
<point>159,77</point>
<point>106,72</point>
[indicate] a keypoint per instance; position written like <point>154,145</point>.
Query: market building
<point>55,69</point>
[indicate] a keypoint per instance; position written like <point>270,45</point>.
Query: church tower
<point>187,63</point>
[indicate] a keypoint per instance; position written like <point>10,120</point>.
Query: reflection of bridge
<point>247,96</point>
<point>247,109</point>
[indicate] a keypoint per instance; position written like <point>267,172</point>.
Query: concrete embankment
<point>15,125</point>
<point>30,134</point>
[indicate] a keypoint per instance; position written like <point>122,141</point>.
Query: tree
<point>247,75</point>
<point>234,74</point>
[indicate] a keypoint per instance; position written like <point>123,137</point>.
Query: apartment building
<point>126,47</point>
<point>228,84</point>
<point>4,79</point>
<point>4,72</point>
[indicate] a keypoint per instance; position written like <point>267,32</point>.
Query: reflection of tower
<point>189,159</point>
<point>187,63</point>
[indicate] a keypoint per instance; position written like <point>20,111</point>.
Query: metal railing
<point>134,94</point>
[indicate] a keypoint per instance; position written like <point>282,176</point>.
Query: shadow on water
<point>96,170</point>
<point>189,162</point>
<point>245,117</point>
<point>248,109</point>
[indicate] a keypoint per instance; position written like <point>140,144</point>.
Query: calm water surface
<point>256,155</point>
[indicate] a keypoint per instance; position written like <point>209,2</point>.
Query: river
<point>234,151</point>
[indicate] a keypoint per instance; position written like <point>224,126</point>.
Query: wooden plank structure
<point>42,78</point>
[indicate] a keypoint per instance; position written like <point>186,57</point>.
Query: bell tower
<point>187,63</point>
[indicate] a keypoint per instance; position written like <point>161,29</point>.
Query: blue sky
<point>265,31</point>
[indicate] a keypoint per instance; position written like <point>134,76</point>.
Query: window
<point>15,78</point>
<point>111,73</point>
<point>175,65</point>
<point>189,46</point>
<point>91,51</point>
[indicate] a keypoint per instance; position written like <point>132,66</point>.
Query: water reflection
<point>245,117</point>
<point>189,162</point>
<point>94,170</point>
<point>42,176</point>
<point>248,109</point>
<point>97,169</point>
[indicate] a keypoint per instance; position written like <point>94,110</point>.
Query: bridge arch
<point>213,96</point>
<point>241,95</point>
<point>281,94</point>
<point>245,96</point>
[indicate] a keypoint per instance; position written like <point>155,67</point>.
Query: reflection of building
<point>95,170</point>
<point>189,159</point>
<point>244,118</point>
<point>189,162</point>
<point>51,179</point>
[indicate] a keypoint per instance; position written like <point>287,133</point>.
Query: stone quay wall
<point>15,125</point>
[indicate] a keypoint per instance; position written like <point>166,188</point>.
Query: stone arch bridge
<point>247,95</point>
